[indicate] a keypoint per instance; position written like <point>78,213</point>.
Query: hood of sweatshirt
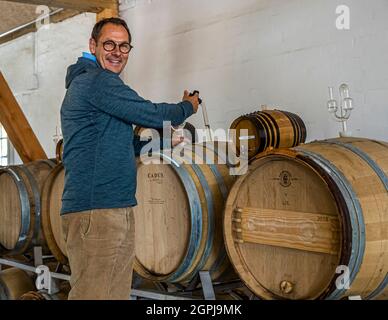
<point>83,65</point>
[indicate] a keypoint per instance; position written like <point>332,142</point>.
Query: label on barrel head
<point>155,177</point>
<point>285,179</point>
<point>156,201</point>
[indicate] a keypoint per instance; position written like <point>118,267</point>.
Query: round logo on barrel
<point>285,179</point>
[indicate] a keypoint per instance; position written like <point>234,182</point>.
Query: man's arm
<point>111,95</point>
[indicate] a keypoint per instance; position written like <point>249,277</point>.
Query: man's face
<point>115,60</point>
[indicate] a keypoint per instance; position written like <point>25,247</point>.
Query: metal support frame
<point>155,295</point>
<point>207,285</point>
<point>22,266</point>
<point>38,256</point>
<point>48,281</point>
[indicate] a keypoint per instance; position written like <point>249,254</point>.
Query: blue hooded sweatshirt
<point>97,115</point>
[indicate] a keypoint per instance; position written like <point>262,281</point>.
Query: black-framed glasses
<point>110,46</point>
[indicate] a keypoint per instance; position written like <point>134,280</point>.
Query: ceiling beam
<point>107,13</point>
<point>79,5</point>
<point>31,27</point>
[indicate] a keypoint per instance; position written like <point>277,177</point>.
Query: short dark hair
<point>100,24</point>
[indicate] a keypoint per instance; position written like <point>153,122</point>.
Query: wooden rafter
<point>58,17</point>
<point>79,5</point>
<point>102,8</point>
<point>107,13</point>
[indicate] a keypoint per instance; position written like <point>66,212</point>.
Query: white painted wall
<point>39,84</point>
<point>246,53</point>
<point>239,54</point>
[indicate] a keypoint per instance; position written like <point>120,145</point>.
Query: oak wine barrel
<point>14,283</point>
<point>179,215</point>
<point>302,219</point>
<point>269,129</point>
<point>20,207</point>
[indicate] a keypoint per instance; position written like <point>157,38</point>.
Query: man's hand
<point>193,99</point>
<point>175,140</point>
<point>178,136</point>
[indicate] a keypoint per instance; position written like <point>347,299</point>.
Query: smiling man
<point>97,115</point>
<point>111,37</point>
